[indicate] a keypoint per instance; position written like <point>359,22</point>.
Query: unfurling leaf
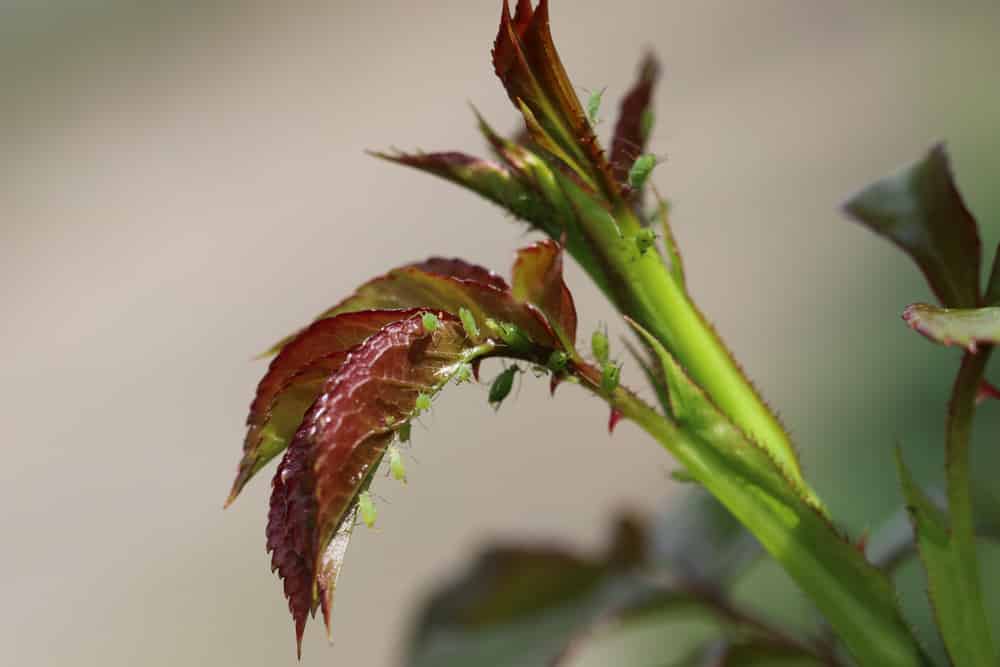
<point>526,61</point>
<point>967,327</point>
<point>635,120</point>
<point>341,441</point>
<point>921,210</point>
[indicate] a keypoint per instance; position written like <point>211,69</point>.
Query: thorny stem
<point>865,619</point>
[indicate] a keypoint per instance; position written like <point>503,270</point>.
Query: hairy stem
<point>858,603</point>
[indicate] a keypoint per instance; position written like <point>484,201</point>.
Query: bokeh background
<point>183,183</point>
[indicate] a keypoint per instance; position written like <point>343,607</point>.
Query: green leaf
<point>967,327</point>
<point>953,588</point>
<point>856,599</point>
<point>921,210</point>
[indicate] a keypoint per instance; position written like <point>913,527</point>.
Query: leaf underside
<point>338,447</point>
<point>965,327</point>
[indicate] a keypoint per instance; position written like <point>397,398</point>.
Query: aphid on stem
<point>502,384</point>
<point>468,323</point>
<point>367,509</point>
<point>430,322</point>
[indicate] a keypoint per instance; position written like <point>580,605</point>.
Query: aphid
<point>646,121</point>
<point>422,404</point>
<point>511,335</point>
<point>640,171</point>
<point>644,240</point>
<point>558,361</point>
<point>404,432</point>
<point>463,374</point>
<point>501,386</point>
<point>610,375</point>
<point>430,322</point>
<point>396,466</point>
<point>599,346</point>
<point>468,323</point>
<point>367,508</point>
<point>594,105</point>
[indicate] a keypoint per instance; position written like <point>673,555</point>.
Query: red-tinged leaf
<point>526,61</point>
<point>422,285</point>
<point>489,180</point>
<point>294,380</point>
<point>967,327</point>
<point>986,392</point>
<point>538,279</point>
<point>459,269</point>
<point>630,137</point>
<point>613,419</point>
<point>339,445</point>
<point>921,210</point>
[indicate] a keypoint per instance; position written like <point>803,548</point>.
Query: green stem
<point>963,529</point>
<point>854,598</point>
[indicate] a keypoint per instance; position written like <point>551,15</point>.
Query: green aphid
<point>644,240</point>
<point>500,389</point>
<point>558,361</point>
<point>396,466</point>
<point>422,404</point>
<point>463,374</point>
<point>405,430</point>
<point>511,335</point>
<point>431,322</point>
<point>646,121</point>
<point>640,171</point>
<point>599,346</point>
<point>594,105</point>
<point>610,375</point>
<point>468,323</point>
<point>367,508</point>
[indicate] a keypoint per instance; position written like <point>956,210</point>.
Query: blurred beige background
<point>180,187</point>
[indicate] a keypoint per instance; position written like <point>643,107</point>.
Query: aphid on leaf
<point>367,509</point>
<point>599,346</point>
<point>511,335</point>
<point>430,322</point>
<point>500,389</point>
<point>422,404</point>
<point>463,374</point>
<point>558,361</point>
<point>396,466</point>
<point>644,240</point>
<point>646,121</point>
<point>594,105</point>
<point>404,432</point>
<point>640,171</point>
<point>610,376</point>
<point>468,323</point>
